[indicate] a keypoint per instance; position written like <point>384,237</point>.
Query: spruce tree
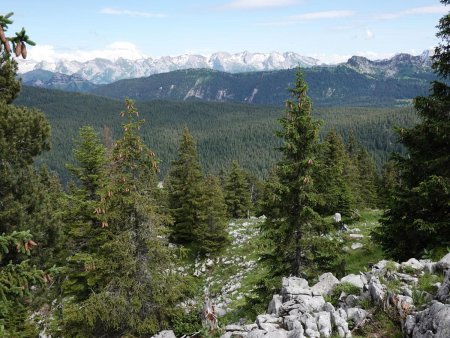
<point>140,288</point>
<point>332,181</point>
<point>361,174</point>
<point>196,205</point>
<point>237,192</point>
<point>214,235</point>
<point>418,216</point>
<point>185,186</point>
<point>84,216</point>
<point>293,229</point>
<point>29,199</point>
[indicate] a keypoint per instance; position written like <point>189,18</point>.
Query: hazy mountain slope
<point>46,79</point>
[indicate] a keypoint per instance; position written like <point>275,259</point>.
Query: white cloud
<point>369,34</point>
<point>323,15</point>
<point>414,11</point>
<point>119,49</point>
<point>125,12</point>
<point>256,4</point>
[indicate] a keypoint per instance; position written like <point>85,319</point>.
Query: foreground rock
<point>302,311</point>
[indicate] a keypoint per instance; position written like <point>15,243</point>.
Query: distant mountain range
<point>102,71</point>
<point>359,81</point>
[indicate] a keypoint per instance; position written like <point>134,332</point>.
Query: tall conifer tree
<point>237,192</point>
<point>139,288</point>
<point>28,202</point>
<point>418,217</point>
<point>186,193</point>
<point>293,228</point>
<point>333,184</point>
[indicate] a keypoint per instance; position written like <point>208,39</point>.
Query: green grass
<point>383,324</point>
<point>360,259</point>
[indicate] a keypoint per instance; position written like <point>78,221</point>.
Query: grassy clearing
<point>370,253</point>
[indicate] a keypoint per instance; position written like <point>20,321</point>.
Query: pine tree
<point>332,181</point>
<point>140,288</point>
<point>237,192</point>
<point>293,229</point>
<point>418,217</point>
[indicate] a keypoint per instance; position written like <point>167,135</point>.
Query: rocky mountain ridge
<point>103,71</point>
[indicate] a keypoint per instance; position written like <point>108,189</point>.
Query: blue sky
<point>329,30</point>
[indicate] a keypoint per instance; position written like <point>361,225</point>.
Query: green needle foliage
<point>418,217</point>
<point>185,185</point>
<point>237,192</point>
<point>138,289</point>
<point>30,203</point>
<point>197,206</point>
<point>332,181</point>
<point>294,231</point>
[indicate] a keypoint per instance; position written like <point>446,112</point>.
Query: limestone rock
<point>311,329</point>
<point>357,315</point>
<point>295,281</point>
<point>275,305</point>
<point>325,286</point>
<point>413,264</point>
<point>341,325</point>
<point>256,334</point>
<point>234,327</point>
<point>381,265</point>
<point>376,290</point>
<point>277,334</point>
<point>324,323</point>
<point>353,279</point>
<point>444,263</point>
<point>269,327</point>
<point>443,293</point>
<point>433,322</point>
<point>356,246</point>
<point>166,334</point>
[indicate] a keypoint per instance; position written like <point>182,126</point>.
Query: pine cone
<point>18,50</point>
<point>24,51</point>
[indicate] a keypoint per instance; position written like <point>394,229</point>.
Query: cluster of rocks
<point>303,311</point>
<point>242,233</point>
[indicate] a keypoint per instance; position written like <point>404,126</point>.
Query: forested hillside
<point>224,131</point>
<point>329,86</point>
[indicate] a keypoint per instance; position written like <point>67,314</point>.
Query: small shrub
<point>391,267</point>
<point>187,323</point>
<point>345,287</point>
<point>409,270</point>
<point>393,285</point>
<point>427,282</point>
<point>420,297</point>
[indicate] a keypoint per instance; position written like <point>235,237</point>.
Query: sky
<point>329,30</point>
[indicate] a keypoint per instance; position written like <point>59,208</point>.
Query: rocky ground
<point>412,291</point>
<point>410,299</point>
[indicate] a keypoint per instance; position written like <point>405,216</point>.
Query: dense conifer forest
<point>224,131</point>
